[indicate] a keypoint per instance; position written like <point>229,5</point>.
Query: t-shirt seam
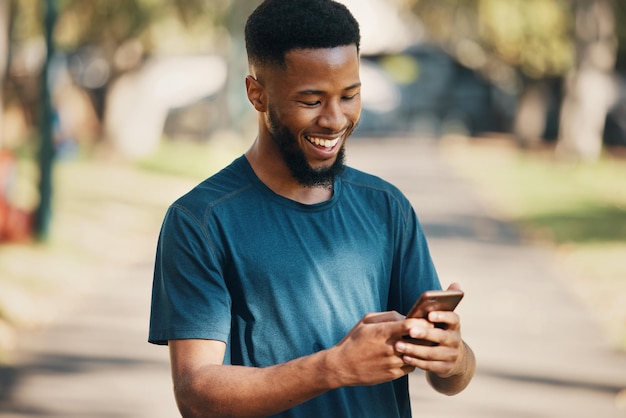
<point>195,333</point>
<point>202,225</point>
<point>189,329</point>
<point>224,198</point>
<point>405,214</point>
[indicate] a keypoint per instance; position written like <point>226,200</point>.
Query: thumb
<point>389,316</point>
<point>454,286</point>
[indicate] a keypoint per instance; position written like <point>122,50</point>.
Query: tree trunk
<point>4,57</point>
<point>530,118</point>
<point>590,87</point>
<point>46,147</point>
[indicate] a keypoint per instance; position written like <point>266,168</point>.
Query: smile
<point>321,142</point>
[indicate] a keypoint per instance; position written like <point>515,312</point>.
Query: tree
<point>67,26</point>
<point>589,85</point>
<point>521,44</point>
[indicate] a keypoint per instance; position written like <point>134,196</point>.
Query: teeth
<point>326,143</point>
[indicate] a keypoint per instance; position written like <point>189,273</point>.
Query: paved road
<point>540,353</point>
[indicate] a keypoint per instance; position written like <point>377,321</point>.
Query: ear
<point>256,94</point>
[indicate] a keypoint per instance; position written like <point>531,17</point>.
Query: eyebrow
<point>311,92</point>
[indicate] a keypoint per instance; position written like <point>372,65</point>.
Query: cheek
<point>354,112</point>
<point>287,118</point>
<point>299,119</point>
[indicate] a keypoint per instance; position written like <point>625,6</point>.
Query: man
<point>280,282</point>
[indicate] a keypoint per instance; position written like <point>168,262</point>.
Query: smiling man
<point>281,282</point>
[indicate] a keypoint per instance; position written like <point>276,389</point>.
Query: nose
<point>333,117</point>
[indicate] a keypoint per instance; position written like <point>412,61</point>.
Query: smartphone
<point>433,300</point>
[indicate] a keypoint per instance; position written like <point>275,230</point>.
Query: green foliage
<point>535,36</point>
<point>109,23</point>
<point>26,20</point>
<point>404,69</point>
<point>95,21</point>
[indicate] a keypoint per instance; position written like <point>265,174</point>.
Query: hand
<point>367,354</point>
<point>446,357</point>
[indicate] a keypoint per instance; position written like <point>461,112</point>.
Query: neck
<point>274,173</point>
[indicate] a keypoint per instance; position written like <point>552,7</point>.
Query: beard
<point>296,161</point>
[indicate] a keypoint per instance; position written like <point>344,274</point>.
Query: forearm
<point>236,391</point>
<point>206,388</point>
<point>459,378</point>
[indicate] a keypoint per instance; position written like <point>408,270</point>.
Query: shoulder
<point>363,182</point>
<point>375,194</point>
<point>229,183</point>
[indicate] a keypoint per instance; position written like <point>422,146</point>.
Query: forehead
<point>323,65</point>
<point>331,59</point>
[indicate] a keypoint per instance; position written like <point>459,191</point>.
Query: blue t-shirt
<point>276,279</point>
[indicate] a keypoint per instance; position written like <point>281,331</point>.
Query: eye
<point>311,104</point>
<point>348,98</point>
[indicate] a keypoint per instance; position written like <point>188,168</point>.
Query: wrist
<point>330,369</point>
<point>461,362</point>
<point>458,378</point>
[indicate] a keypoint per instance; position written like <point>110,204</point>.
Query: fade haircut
<point>277,27</point>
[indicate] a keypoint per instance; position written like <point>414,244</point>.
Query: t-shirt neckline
<point>262,187</point>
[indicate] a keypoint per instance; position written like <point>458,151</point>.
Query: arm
<point>205,388</point>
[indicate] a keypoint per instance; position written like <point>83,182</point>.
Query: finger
<point>417,330</point>
<point>407,368</point>
<point>431,337</point>
<point>442,368</point>
<point>451,319</point>
<point>419,323</point>
<point>378,317</point>
<point>421,356</point>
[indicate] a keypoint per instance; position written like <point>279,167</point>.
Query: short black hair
<point>279,26</point>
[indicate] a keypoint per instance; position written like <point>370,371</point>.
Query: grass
<point>192,159</point>
<point>577,209</point>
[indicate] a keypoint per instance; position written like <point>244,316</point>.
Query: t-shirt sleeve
<point>190,299</point>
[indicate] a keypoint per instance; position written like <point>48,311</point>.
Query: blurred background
<point>109,109</point>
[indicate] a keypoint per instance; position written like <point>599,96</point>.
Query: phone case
<point>433,300</point>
